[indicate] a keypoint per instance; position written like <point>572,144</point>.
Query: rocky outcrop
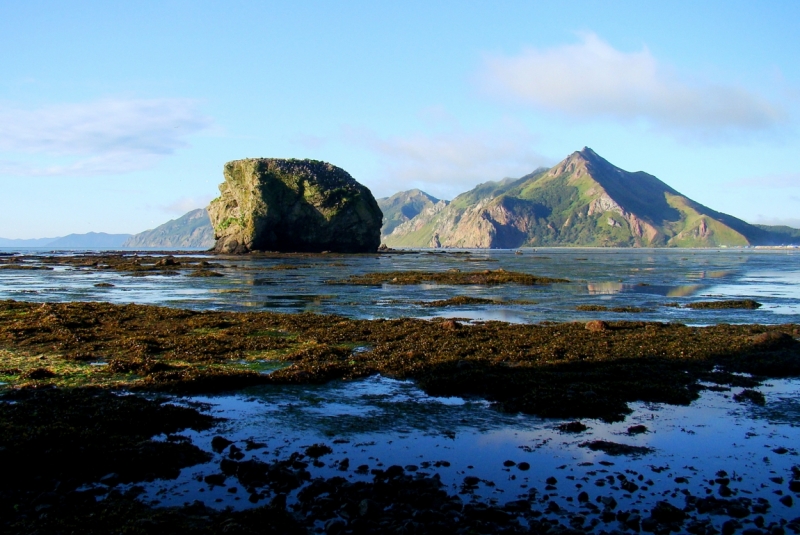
<point>269,204</point>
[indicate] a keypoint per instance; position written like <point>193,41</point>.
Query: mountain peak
<point>583,200</point>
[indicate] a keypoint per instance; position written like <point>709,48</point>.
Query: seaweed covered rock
<point>269,204</point>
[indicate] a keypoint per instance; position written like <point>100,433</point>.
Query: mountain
<point>402,207</point>
<point>90,240</point>
<point>781,233</point>
<point>582,201</point>
<point>190,231</point>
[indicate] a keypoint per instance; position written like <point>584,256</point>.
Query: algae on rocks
<point>269,204</point>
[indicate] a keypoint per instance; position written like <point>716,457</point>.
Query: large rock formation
<point>269,204</point>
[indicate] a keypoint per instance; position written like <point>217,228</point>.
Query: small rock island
<point>289,205</point>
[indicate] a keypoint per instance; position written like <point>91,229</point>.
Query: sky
<point>118,116</point>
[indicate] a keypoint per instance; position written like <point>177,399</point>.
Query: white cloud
<point>110,136</point>
<point>187,204</point>
<point>791,180</point>
<point>447,163</point>
<point>591,79</point>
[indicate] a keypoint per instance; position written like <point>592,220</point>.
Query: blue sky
<point>117,116</point>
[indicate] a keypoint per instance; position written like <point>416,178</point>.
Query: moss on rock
<point>269,204</point>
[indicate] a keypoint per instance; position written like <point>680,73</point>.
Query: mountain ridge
<point>584,200</point>
<point>190,231</point>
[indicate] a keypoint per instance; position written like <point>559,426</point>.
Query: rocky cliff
<point>582,201</point>
<point>190,231</point>
<point>273,204</point>
<point>402,207</point>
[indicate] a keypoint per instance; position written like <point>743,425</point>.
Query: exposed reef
<point>554,370</point>
<point>64,422</point>
<point>486,277</point>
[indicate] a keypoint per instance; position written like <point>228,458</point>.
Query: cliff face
<point>272,204</point>
<point>582,201</point>
<point>402,207</point>
<point>190,231</point>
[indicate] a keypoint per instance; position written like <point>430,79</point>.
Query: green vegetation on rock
<point>269,204</point>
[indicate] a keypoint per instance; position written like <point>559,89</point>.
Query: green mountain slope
<point>402,207</point>
<point>190,231</point>
<point>582,201</point>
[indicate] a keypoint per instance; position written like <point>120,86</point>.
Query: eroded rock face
<point>270,204</point>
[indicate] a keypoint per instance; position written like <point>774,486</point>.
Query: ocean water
<point>379,422</point>
<point>649,279</point>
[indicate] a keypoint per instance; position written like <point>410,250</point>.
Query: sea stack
<point>288,205</point>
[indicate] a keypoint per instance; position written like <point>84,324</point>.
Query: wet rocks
<point>485,278</point>
<point>67,438</point>
<point>270,204</point>
<point>316,451</point>
<point>552,370</point>
<point>666,513</point>
<point>752,396</point>
<point>748,304</point>
<point>614,448</point>
<point>460,300</point>
<point>572,427</point>
<point>39,373</point>
<point>596,326</point>
<point>218,443</point>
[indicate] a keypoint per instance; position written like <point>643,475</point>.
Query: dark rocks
<point>613,448</point>
<point>596,326</point>
<point>271,204</point>
<point>665,513</point>
<point>215,479</point>
<point>753,396</point>
<point>572,427</point>
<point>637,429</point>
<point>316,451</point>
<point>726,304</point>
<point>39,373</point>
<point>218,443</point>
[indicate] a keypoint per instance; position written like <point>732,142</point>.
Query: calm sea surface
<point>380,422</point>
<point>649,279</point>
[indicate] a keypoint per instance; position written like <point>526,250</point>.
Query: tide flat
<point>716,458</point>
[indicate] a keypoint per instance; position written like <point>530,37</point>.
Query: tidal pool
<point>715,447</point>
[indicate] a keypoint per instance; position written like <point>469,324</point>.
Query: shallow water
<point>648,279</point>
<point>380,422</point>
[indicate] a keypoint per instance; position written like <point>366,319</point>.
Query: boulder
<point>270,204</point>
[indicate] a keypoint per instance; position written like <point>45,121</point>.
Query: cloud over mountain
<point>444,162</point>
<point>592,79</point>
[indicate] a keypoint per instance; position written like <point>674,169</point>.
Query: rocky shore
<point>91,409</point>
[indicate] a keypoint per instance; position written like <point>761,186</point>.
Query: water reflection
<point>646,279</point>
<point>380,422</point>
